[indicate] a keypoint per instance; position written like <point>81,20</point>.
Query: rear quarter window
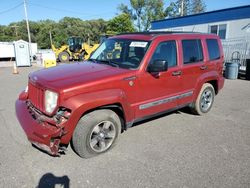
<point>213,49</point>
<point>192,51</point>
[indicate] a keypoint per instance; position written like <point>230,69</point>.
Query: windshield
<point>74,41</point>
<point>122,53</point>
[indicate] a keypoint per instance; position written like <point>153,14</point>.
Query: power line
<point>66,10</point>
<point>10,9</point>
<point>56,9</point>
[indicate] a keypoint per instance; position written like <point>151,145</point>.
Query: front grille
<point>36,96</point>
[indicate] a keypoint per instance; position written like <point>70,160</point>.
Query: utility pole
<point>27,23</point>
<point>88,39</point>
<point>182,7</point>
<point>15,28</point>
<point>50,38</point>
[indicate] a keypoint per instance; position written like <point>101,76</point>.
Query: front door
<point>159,92</point>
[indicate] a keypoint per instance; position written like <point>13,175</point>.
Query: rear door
<point>214,56</point>
<point>193,66</point>
<point>158,92</point>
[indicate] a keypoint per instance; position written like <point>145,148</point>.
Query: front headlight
<point>50,101</point>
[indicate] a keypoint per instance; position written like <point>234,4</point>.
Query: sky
<point>13,10</point>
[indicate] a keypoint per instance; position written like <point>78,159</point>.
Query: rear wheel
<point>63,57</point>
<point>96,133</point>
<point>205,100</point>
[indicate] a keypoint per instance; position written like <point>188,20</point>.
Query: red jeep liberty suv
<point>129,78</point>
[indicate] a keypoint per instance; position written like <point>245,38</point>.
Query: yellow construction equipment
<point>76,49</point>
<point>49,63</point>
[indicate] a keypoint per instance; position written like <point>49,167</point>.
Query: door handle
<point>130,78</point>
<point>203,67</point>
<point>176,73</point>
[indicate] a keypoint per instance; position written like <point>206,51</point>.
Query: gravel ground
<point>176,150</point>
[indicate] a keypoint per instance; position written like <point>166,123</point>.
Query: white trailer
<point>7,49</point>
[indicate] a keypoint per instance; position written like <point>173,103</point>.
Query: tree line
<point>136,16</point>
<point>60,31</point>
<point>143,12</point>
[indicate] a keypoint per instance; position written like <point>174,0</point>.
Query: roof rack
<point>156,32</point>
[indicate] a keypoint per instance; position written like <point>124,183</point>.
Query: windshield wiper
<point>92,60</point>
<point>109,62</point>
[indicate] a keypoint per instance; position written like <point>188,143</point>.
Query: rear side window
<point>192,51</point>
<point>213,49</point>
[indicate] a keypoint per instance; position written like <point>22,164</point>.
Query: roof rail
<point>155,32</point>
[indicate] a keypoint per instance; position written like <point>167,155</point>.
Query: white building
<point>227,23</point>
<point>232,25</point>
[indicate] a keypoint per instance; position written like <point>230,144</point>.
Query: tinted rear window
<point>213,49</point>
<point>192,51</point>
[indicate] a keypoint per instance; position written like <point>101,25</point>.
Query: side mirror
<point>158,66</point>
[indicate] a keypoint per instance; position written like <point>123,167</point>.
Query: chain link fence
<point>237,49</point>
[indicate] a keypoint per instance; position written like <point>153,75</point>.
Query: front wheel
<point>96,133</point>
<point>63,57</point>
<point>205,100</point>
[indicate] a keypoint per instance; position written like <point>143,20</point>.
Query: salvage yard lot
<point>175,150</point>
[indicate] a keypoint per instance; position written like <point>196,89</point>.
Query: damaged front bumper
<point>42,131</point>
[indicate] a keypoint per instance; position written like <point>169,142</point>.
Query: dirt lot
<point>176,150</point>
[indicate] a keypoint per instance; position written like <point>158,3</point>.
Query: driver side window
<point>166,51</point>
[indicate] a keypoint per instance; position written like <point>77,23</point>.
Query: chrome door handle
<point>203,67</point>
<point>130,78</point>
<point>176,73</point>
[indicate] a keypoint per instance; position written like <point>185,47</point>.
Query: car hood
<point>68,76</point>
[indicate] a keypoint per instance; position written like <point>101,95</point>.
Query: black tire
<point>63,57</point>
<point>204,101</point>
<point>85,133</point>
